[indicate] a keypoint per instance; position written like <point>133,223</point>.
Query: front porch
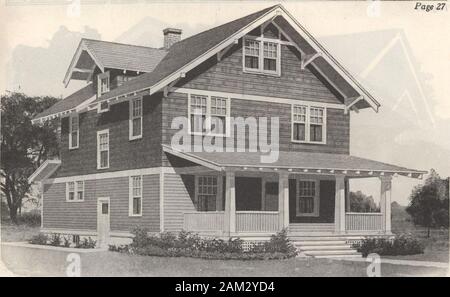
<point>268,210</point>
<point>238,195</point>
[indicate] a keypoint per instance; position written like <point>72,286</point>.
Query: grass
<point>10,232</point>
<point>32,262</point>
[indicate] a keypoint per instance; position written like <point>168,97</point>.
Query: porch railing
<point>257,221</point>
<point>204,221</point>
<point>358,221</point>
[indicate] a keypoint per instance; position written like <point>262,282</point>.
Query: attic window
<point>261,55</point>
<point>103,83</point>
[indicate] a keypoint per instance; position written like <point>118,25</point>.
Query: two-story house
<point>118,167</point>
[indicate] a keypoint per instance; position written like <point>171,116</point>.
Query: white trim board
<point>114,174</point>
<point>258,98</point>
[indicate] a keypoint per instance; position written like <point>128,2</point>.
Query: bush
<point>278,243</point>
<point>403,244</point>
<point>32,218</point>
<point>187,244</point>
<point>55,240</point>
<point>40,238</point>
<point>86,243</point>
<point>66,241</point>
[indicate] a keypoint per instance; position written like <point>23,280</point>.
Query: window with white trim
<point>74,131</point>
<point>135,202</point>
<point>135,118</point>
<point>75,191</point>
<point>102,83</point>
<point>103,149</point>
<point>206,193</point>
<point>308,124</point>
<point>208,115</point>
<point>307,198</point>
<point>261,55</point>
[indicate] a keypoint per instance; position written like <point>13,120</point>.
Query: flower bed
<point>404,244</point>
<point>56,239</point>
<point>187,244</point>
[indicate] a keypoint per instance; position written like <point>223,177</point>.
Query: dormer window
<point>103,83</point>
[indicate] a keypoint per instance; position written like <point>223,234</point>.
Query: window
<point>103,149</point>
<point>103,106</point>
<point>135,202</point>
<point>206,193</point>
<point>261,55</point>
<point>74,131</point>
<point>308,124</point>
<point>307,198</point>
<point>102,83</point>
<point>135,118</point>
<point>251,54</point>
<point>75,191</point>
<point>208,115</point>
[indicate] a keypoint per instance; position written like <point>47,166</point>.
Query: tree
<point>429,203</point>
<point>23,146</point>
<point>359,202</point>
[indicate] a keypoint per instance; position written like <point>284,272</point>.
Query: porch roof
<point>296,162</point>
<point>44,171</point>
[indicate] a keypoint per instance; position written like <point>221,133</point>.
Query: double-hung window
<point>75,191</point>
<point>308,124</point>
<point>135,118</point>
<point>307,198</point>
<point>208,115</point>
<point>261,55</point>
<point>74,131</point>
<point>103,149</point>
<point>206,193</point>
<point>135,202</point>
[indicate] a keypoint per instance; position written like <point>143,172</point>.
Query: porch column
<point>339,207</point>
<point>283,200</point>
<point>385,202</point>
<point>230,204</point>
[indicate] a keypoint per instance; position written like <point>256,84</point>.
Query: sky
<point>400,54</point>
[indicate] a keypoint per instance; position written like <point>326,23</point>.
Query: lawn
<point>37,262</point>
<point>10,232</point>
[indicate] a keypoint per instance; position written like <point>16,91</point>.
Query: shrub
<point>403,244</point>
<point>189,244</point>
<point>123,248</point>
<point>86,243</point>
<point>55,240</point>
<point>278,243</point>
<point>66,241</point>
<point>40,238</point>
<point>32,218</point>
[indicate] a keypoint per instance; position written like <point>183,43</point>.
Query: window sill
<point>73,148</point>
<point>135,215</point>
<point>103,168</point>
<point>135,137</point>
<point>307,142</point>
<point>208,134</point>
<point>267,73</point>
<point>307,215</point>
<point>74,201</point>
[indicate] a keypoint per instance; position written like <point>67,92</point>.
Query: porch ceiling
<point>296,162</point>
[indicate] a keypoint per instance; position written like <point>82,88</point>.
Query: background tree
<point>23,146</point>
<point>359,202</point>
<point>429,203</point>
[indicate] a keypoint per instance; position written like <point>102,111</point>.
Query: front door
<point>103,222</point>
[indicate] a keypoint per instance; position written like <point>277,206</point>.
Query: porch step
<point>325,247</point>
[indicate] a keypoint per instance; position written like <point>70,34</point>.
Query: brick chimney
<point>171,36</point>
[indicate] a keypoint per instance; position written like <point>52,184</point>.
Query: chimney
<point>171,36</point>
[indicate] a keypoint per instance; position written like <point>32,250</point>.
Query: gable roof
<point>71,102</point>
<point>105,54</point>
<point>185,51</point>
